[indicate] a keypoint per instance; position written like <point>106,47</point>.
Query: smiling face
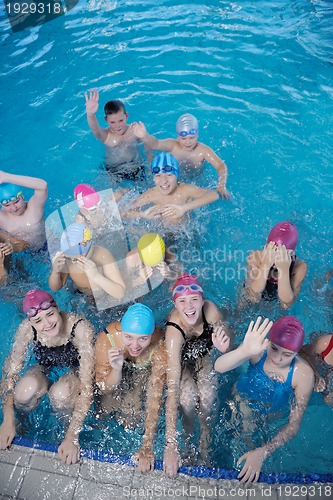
<point>279,356</point>
<point>166,183</point>
<point>189,308</point>
<point>17,207</point>
<point>47,322</point>
<point>188,143</point>
<point>117,122</point>
<point>135,343</point>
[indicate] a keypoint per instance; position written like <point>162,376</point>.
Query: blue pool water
<point>258,76</point>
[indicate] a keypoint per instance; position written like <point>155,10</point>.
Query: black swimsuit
<point>60,355</point>
<point>195,348</point>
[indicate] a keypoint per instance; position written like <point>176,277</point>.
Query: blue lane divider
<point>194,470</point>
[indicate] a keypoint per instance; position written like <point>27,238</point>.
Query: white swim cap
<point>187,125</point>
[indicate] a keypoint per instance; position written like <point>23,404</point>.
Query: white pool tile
<point>11,479</point>
<point>39,485</point>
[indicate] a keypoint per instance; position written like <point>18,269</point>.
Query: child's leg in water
<point>207,385</point>
<point>188,399</point>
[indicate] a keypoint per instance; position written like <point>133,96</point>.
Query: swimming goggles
<point>181,288</point>
<point>192,131</point>
<point>166,169</point>
<point>43,306</point>
<point>11,199</point>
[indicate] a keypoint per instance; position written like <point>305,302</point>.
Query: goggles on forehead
<point>11,199</point>
<point>167,169</point>
<point>43,306</point>
<point>192,131</point>
<point>193,287</point>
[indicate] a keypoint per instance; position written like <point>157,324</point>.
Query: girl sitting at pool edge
<point>60,341</point>
<point>131,368</point>
<point>191,380</point>
<point>278,380</point>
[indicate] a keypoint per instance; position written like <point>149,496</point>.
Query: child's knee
<point>188,400</point>
<point>28,392</point>
<point>62,394</point>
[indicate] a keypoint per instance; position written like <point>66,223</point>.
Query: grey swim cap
<point>187,123</point>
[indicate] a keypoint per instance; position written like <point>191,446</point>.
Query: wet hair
<point>112,107</point>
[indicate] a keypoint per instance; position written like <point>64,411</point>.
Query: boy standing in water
<point>22,223</point>
<point>170,199</point>
<point>190,153</point>
<point>123,157</point>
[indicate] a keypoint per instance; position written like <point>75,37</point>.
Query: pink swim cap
<point>287,332</point>
<point>34,298</point>
<point>187,284</point>
<point>284,233</point>
<point>86,196</point>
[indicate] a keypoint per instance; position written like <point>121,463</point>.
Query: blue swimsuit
<point>265,394</point>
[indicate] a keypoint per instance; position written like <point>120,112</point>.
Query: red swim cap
<point>287,332</point>
<point>34,298</point>
<point>86,196</point>
<point>284,233</point>
<point>187,284</point>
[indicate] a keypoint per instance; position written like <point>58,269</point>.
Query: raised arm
<point>38,185</point>
<point>221,168</point>
<point>153,405</point>
<point>289,286</point>
<point>69,450</point>
<point>15,361</point>
<point>258,264</point>
<point>255,458</point>
<point>253,346</point>
<point>139,130</point>
<point>109,363</point>
<point>91,110</point>
<point>58,276</point>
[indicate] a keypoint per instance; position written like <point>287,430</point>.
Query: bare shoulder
<point>300,268</point>
<point>101,255</point>
<point>212,312</point>
<point>83,327</point>
<point>173,316</point>
<point>303,374</point>
<point>321,343</point>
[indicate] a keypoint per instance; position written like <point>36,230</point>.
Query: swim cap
<point>138,319</point>
<point>187,123</point>
<point>187,284</point>
<point>165,163</point>
<point>34,299</point>
<point>86,196</point>
<point>9,193</point>
<point>76,240</point>
<point>287,332</point>
<point>284,233</point>
<point>151,249</point>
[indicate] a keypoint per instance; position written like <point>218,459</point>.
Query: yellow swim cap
<point>151,249</point>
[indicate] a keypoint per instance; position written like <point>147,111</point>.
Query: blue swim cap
<point>138,319</point>
<point>9,193</point>
<point>165,163</point>
<point>76,240</point>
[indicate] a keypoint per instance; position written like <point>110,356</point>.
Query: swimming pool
<point>258,76</point>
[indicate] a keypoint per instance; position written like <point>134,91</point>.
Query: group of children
<point>132,359</point>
